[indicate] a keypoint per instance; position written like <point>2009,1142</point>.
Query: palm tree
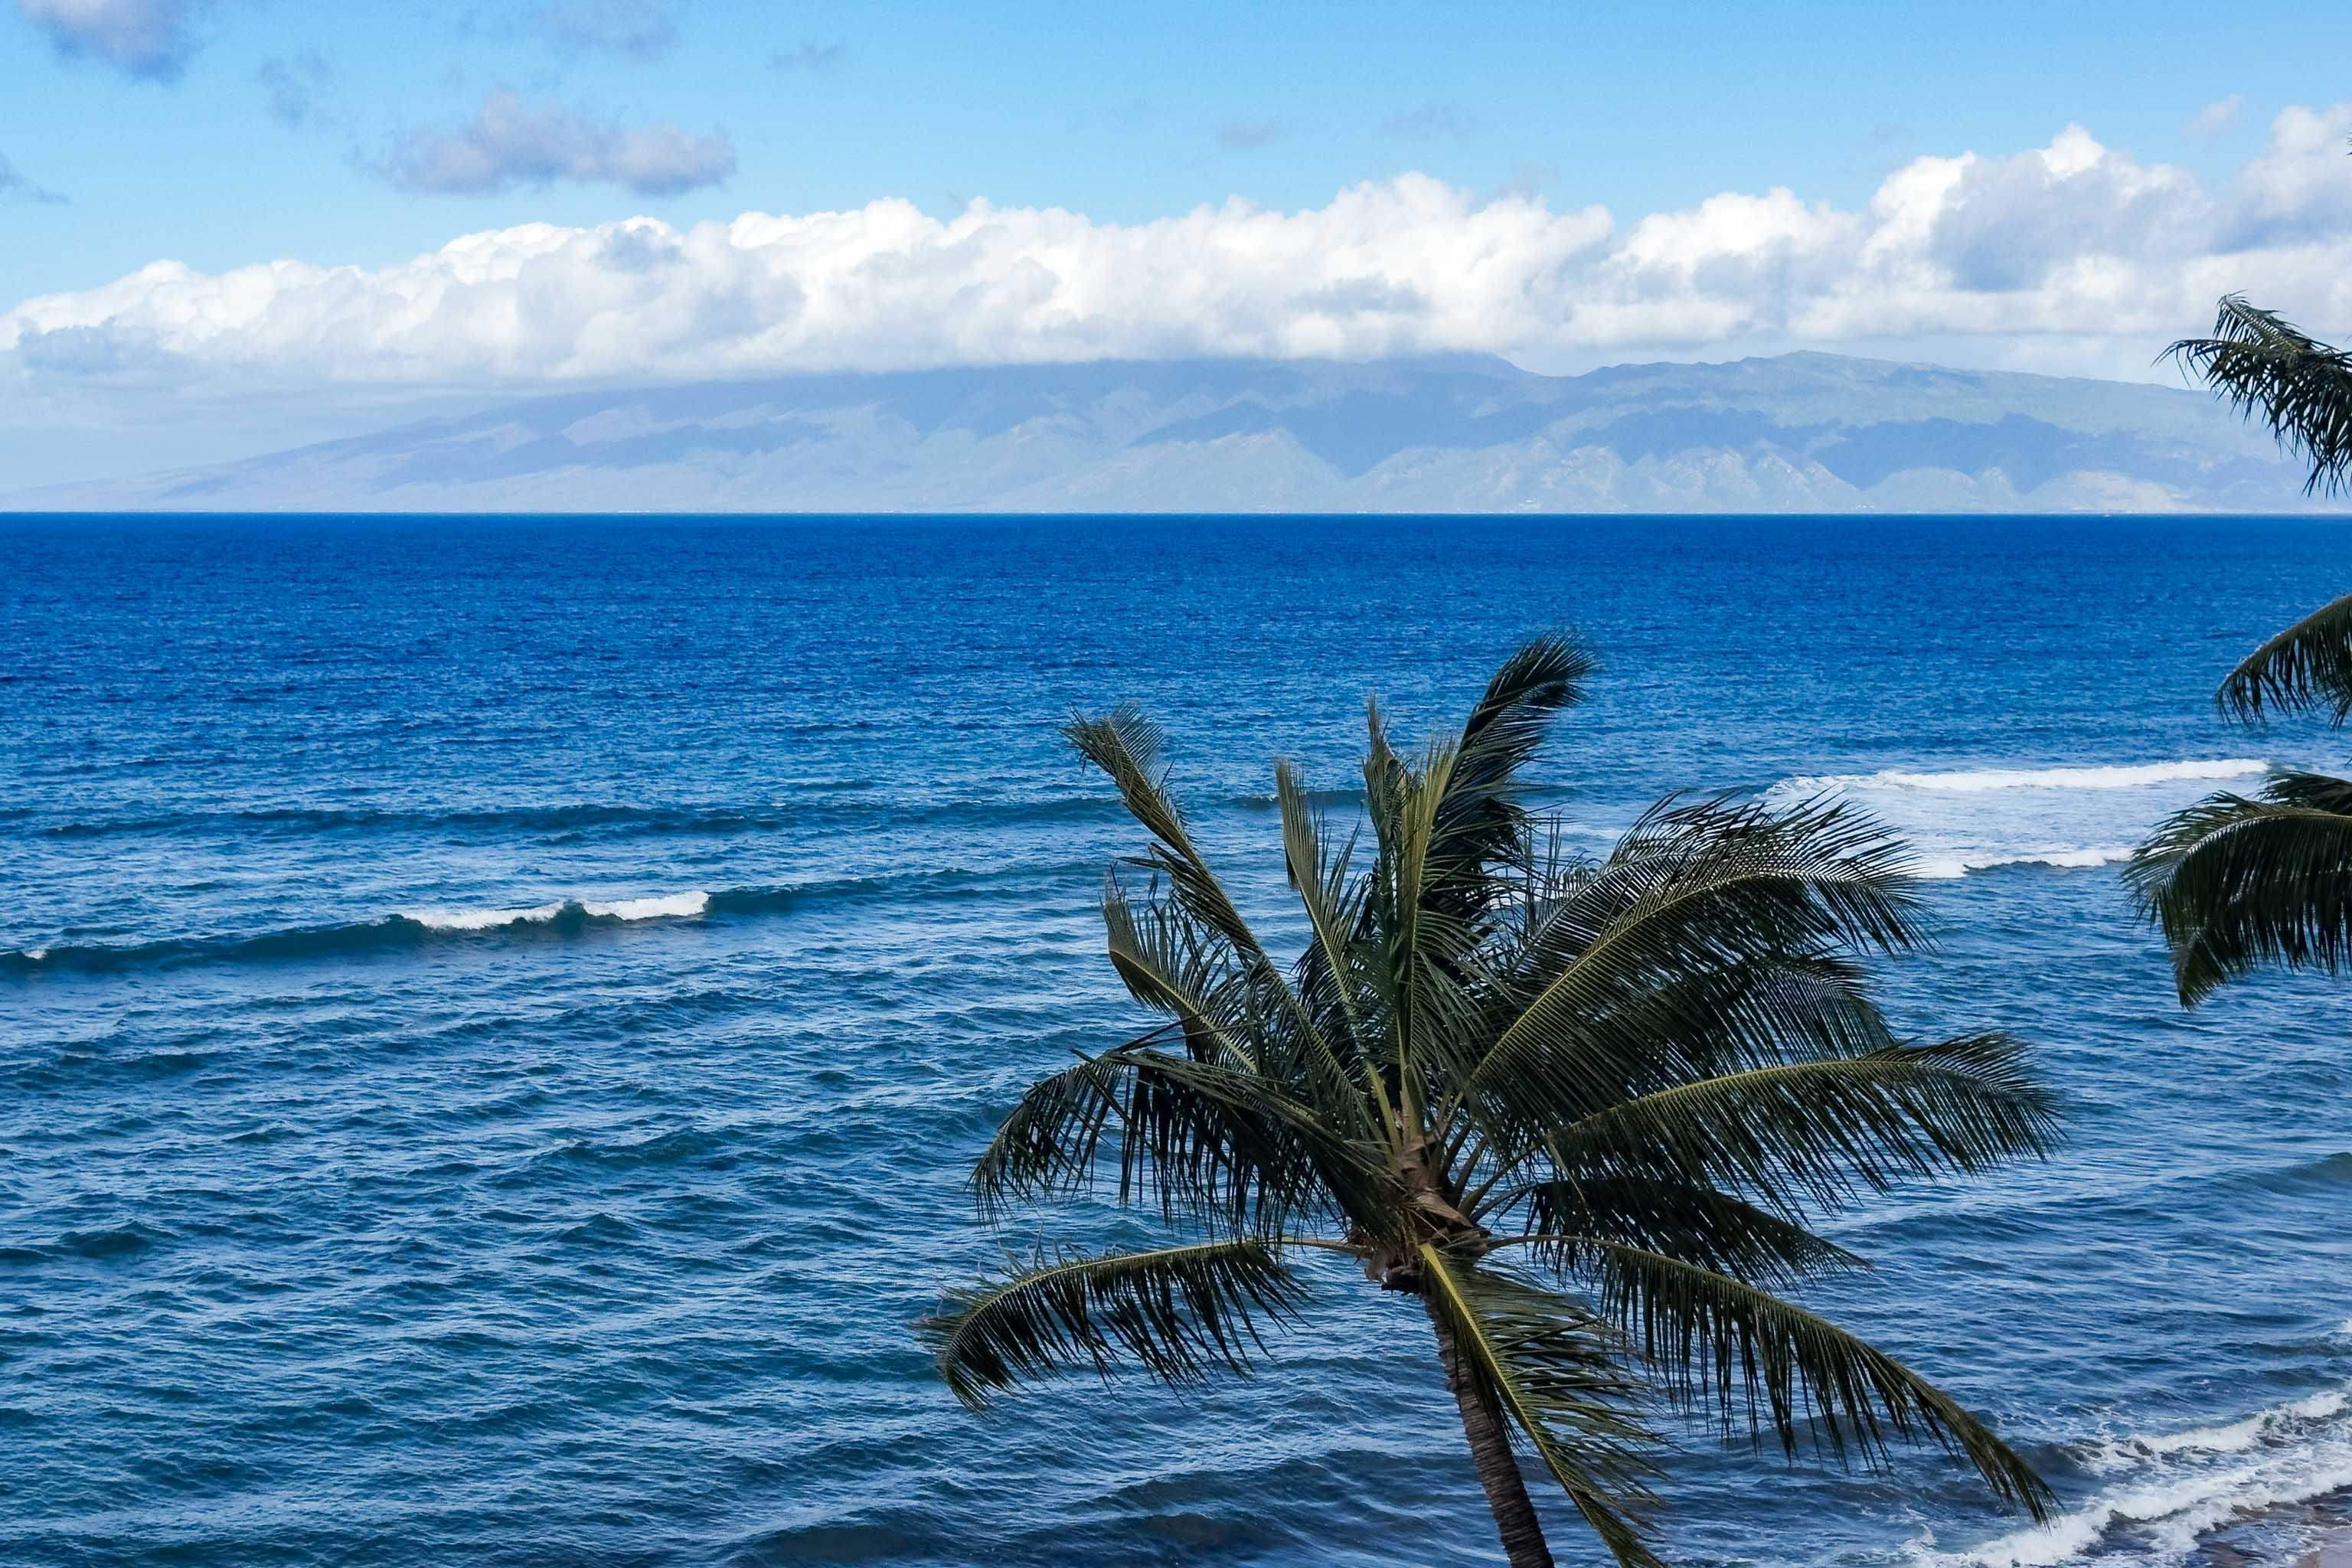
<point>1581,1112</point>
<point>2238,882</point>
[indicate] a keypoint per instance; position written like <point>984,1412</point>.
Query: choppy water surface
<point>494,1016</point>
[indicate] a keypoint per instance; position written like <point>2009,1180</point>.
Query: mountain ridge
<point>1798,432</point>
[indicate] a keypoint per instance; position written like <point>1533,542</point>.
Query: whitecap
<point>2064,819</point>
<point>2172,1488</point>
<point>662,906</point>
<point>1980,781</point>
<point>666,906</point>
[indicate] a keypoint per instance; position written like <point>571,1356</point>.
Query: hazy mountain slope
<point>1801,432</point>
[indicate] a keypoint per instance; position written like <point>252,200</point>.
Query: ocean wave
<point>417,926</point>
<point>1944,867</point>
<point>2173,1488</point>
<point>1967,820</point>
<point>1982,781</point>
<point>663,906</point>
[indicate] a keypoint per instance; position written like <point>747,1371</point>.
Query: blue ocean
<point>496,1015</point>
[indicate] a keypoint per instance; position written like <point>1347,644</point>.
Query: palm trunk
<point>1498,1468</point>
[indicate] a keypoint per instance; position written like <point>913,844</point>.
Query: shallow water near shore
<point>494,1015</point>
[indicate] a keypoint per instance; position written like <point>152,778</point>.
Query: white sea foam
<point>2172,1488</point>
<point>1943,867</point>
<point>1980,781</point>
<point>666,906</point>
<point>36,953</point>
<point>1980,819</point>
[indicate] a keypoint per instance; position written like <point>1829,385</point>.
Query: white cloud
<point>150,39</point>
<point>509,142</point>
<point>2072,256</point>
<point>2217,116</point>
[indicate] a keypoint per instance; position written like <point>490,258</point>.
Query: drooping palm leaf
<point>1547,1365</point>
<point>1820,1130</point>
<point>1179,1313</point>
<point>1739,1350</point>
<point>2237,883</point>
<point>2266,368</point>
<point>1696,1223</point>
<point>2309,664</point>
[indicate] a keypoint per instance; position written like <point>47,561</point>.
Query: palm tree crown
<point>1582,1112</point>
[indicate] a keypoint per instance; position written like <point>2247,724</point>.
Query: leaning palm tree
<point>1582,1112</point>
<point>2239,882</point>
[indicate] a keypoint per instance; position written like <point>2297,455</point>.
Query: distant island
<point>1795,433</point>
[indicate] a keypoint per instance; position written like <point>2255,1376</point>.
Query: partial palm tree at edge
<point>2238,882</point>
<point>1582,1112</point>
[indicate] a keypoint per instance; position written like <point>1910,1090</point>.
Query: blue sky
<point>2047,187</point>
<point>1122,113</point>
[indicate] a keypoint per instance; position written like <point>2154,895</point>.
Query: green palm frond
<point>1180,1313</point>
<point>1477,818</point>
<point>1203,1143</point>
<point>1172,966</point>
<point>2238,883</point>
<point>1694,893</point>
<point>1548,1365</point>
<point>2266,368</point>
<point>1736,1347</point>
<point>1126,746</point>
<point>1824,1128</point>
<point>1695,1224</point>
<point>2309,664</point>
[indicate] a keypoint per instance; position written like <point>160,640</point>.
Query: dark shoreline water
<point>494,1015</point>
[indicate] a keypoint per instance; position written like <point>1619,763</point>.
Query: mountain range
<point>1794,433</point>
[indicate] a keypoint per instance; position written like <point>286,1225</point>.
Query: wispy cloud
<point>636,29</point>
<point>2217,116</point>
<point>301,89</point>
<point>1243,135</point>
<point>1431,121</point>
<point>15,187</point>
<point>149,40</point>
<point>509,143</point>
<point>815,58</point>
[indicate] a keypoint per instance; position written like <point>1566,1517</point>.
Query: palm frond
<point>1547,1365</point>
<point>1126,745</point>
<point>1203,1143</point>
<point>1694,893</point>
<point>2265,368</point>
<point>2309,664</point>
<point>1179,1313</point>
<point>1477,816</point>
<point>1693,1223</point>
<point>1733,1347</point>
<point>1825,1128</point>
<point>1172,966</point>
<point>2237,883</point>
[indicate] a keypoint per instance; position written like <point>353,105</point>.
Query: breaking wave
<point>2170,1488</point>
<point>1968,820</point>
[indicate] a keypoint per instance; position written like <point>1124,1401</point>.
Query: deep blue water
<point>494,1015</point>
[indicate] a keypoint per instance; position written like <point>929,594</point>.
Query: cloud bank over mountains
<point>2071,256</point>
